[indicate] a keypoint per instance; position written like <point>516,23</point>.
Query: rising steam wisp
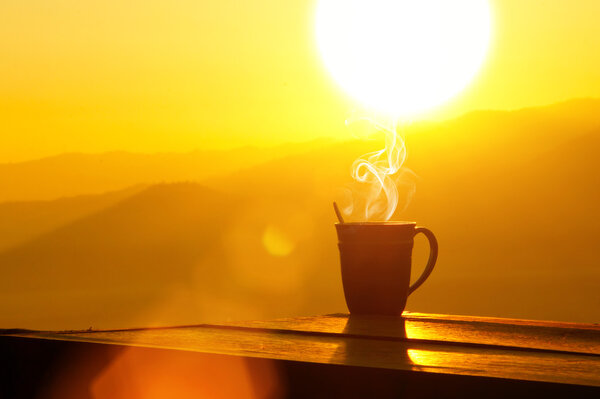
<point>377,176</point>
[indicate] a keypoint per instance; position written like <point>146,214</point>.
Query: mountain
<point>77,174</point>
<point>500,139</point>
<point>21,221</point>
<point>517,222</point>
<point>517,225</point>
<point>119,259</point>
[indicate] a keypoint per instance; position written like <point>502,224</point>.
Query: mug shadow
<point>389,342</point>
<point>379,340</point>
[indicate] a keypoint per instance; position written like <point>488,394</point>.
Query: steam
<point>378,176</point>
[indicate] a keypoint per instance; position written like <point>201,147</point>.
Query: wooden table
<point>419,355</point>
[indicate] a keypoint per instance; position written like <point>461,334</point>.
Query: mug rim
<point>388,223</point>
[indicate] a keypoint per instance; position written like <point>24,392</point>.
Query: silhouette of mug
<point>376,262</point>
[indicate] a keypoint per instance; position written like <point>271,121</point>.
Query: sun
<point>403,57</point>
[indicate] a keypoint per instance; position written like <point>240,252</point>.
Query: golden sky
<point>159,75</point>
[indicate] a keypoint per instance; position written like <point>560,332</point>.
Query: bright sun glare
<point>403,57</point>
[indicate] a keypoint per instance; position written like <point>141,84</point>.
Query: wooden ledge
<point>550,352</point>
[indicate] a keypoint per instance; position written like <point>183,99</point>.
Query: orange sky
<point>158,75</point>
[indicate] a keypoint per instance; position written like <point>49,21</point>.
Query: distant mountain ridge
<point>25,220</point>
<point>76,174</point>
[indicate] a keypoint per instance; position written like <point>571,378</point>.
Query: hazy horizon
<point>237,145</point>
<point>158,76</point>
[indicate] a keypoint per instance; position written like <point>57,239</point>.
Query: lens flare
<point>276,242</point>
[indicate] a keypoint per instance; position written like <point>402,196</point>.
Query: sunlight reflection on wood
<point>473,346</point>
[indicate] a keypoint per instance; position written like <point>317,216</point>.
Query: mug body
<point>376,261</point>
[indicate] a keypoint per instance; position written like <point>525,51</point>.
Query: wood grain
<point>545,352</point>
<point>552,336</point>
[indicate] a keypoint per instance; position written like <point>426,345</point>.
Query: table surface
<point>523,350</point>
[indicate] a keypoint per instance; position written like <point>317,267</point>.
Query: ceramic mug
<point>376,263</point>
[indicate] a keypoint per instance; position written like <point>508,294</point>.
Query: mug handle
<point>433,253</point>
